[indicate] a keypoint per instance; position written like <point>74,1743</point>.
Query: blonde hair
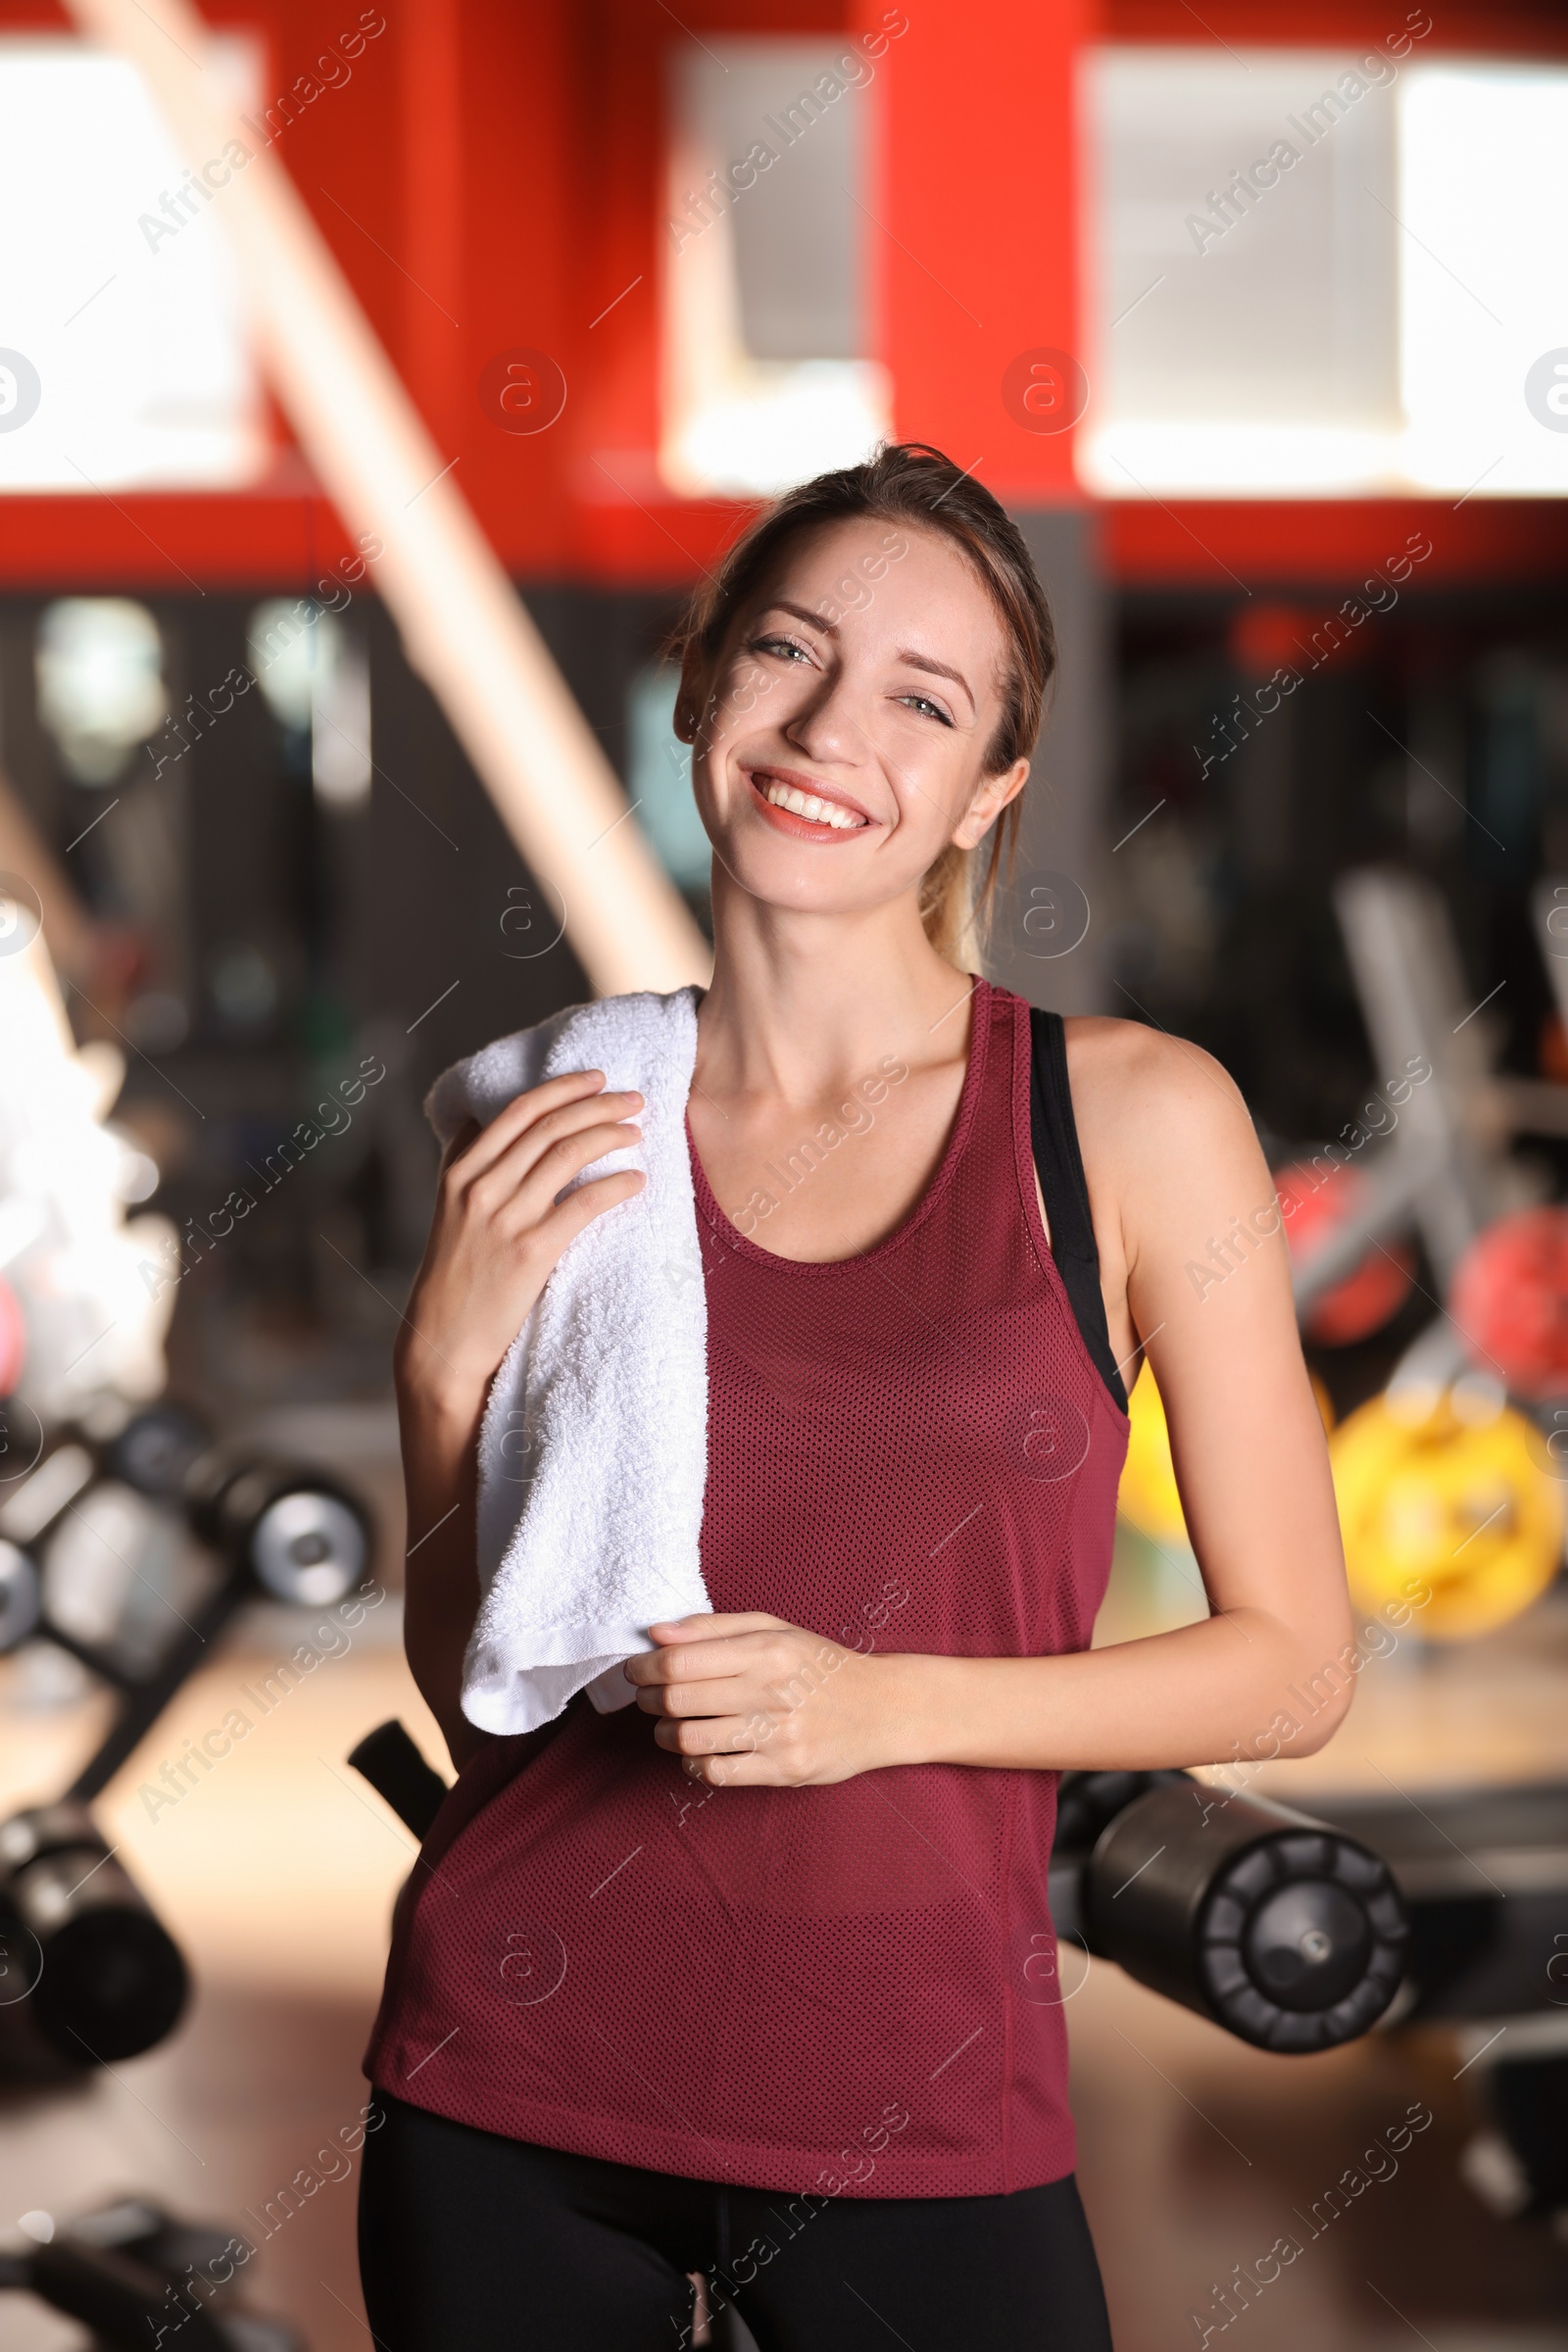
<point>910,482</point>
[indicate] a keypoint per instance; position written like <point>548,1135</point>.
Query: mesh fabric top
<point>846,1990</point>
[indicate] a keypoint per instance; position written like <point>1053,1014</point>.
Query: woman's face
<point>838,742</point>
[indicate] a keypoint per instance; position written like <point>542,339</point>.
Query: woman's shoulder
<point>1141,1095</point>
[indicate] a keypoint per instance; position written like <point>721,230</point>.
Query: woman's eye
<point>777,645</point>
<point>923,703</point>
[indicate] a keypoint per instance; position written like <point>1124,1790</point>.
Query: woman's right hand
<point>499,1228</point>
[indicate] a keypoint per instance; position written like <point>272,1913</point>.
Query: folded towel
<point>593,1450</point>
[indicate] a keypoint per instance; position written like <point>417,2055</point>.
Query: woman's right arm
<point>498,1230</point>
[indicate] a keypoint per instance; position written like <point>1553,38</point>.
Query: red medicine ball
<point>1511,1300</point>
<point>1315,1208</point>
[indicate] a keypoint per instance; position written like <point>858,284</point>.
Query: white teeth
<point>806,804</point>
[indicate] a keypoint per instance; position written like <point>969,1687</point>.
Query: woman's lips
<point>850,819</point>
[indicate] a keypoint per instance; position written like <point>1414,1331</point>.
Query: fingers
<point>714,1736</point>
<point>554,1149</point>
<point>569,1217</point>
<point>532,1189</point>
<point>696,1699</point>
<point>702,1628</point>
<point>486,1144</point>
<point>584,1089</point>
<point>702,1660</point>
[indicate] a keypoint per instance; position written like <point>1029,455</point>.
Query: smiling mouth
<point>809,808</point>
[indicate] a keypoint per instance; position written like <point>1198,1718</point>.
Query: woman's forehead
<point>854,568</point>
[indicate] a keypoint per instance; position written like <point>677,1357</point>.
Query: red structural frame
<point>491,176</point>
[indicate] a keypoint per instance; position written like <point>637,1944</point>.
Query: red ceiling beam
<point>490,177</point>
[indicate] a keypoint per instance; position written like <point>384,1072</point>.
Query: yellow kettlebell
<point>1459,1502</point>
<point>1146,1498</point>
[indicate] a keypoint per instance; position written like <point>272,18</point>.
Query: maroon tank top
<point>848,1990</point>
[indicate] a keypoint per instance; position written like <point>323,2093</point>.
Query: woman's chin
<point>795,883</point>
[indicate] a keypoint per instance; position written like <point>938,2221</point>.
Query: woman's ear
<point>987,804</point>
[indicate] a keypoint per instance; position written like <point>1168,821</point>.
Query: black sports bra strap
<point>1060,1165</point>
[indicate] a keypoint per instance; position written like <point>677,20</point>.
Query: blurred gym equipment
<point>91,1977</point>
<point>1298,1933</point>
<point>83,1324</point>
<point>135,2276</point>
<point>142,1549</point>
<point>1449,1489</point>
<point>1444,1479</point>
<point>399,1774</point>
<point>133,1556</point>
<point>1285,1933</point>
<point>1448,1484</point>
<point>1511,1300</point>
<point>1147,1496</point>
<point>1443,1163</point>
<point>1317,1210</point>
<point>1482,1873</point>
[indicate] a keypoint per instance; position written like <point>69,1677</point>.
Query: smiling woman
<point>914,1389</point>
<point>860,519</point>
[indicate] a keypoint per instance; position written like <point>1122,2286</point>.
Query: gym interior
<point>376,387</point>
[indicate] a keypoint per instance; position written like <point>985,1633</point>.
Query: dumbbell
<point>107,1553</point>
<point>300,1535</point>
<point>1287,1932</point>
<point>282,1529</point>
<point>87,1974</point>
<point>293,1529</point>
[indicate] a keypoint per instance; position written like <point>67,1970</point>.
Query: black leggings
<point>473,2243</point>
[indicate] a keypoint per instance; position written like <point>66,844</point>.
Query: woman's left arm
<point>1184,1211</point>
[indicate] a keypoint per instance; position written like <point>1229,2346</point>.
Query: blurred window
<point>315,680</point>
<point>123,365</point>
<point>293,646</point>
<point>1320,272</point>
<point>1484,331</point>
<point>762,250</point>
<point>100,678</point>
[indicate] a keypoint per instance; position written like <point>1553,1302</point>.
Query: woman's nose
<point>829,726</point>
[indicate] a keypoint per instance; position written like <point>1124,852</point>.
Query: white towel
<point>593,1450</point>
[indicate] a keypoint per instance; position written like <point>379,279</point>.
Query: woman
<point>746,1979</point>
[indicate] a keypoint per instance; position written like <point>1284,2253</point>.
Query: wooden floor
<point>278,1873</point>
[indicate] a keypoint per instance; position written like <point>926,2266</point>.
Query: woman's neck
<point>799,1000</point>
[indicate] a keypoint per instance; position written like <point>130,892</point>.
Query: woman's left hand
<point>748,1699</point>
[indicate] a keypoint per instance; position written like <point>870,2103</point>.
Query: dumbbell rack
<point>125,2270</point>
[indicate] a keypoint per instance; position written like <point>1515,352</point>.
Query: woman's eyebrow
<point>814,620</point>
<point>940,670</point>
